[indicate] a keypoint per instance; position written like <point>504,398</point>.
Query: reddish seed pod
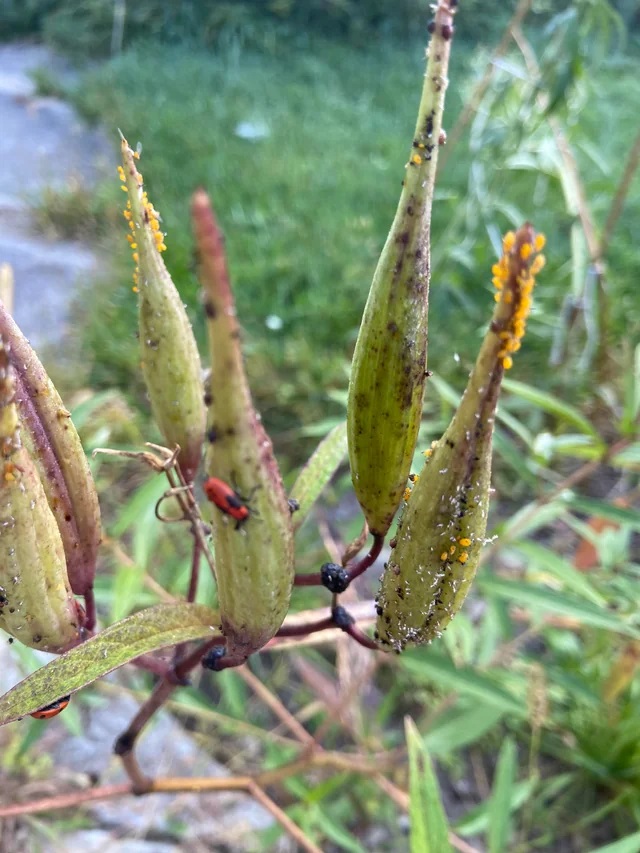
<point>52,710</point>
<point>227,500</point>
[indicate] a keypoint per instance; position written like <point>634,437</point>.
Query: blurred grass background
<point>297,117</point>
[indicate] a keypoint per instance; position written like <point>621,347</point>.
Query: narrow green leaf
<point>429,827</point>
<point>462,726</point>
<point>501,798</point>
<point>602,509</point>
<point>531,517</point>
<point>552,405</point>
<point>477,819</point>
<point>630,456</point>
<point>515,426</point>
<point>630,844</point>
<point>552,601</point>
<point>631,405</point>
<point>541,559</point>
<point>144,632</point>
<point>318,471</point>
<point>547,445</point>
<point>511,453</point>
<point>464,680</point>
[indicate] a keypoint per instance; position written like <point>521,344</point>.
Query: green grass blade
<point>501,798</point>
<point>552,601</point>
<point>429,827</point>
<point>552,405</point>
<point>602,509</point>
<point>464,680</point>
<point>541,559</point>
<point>318,471</point>
<point>630,844</point>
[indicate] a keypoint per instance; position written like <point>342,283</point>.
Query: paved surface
<point>43,143</point>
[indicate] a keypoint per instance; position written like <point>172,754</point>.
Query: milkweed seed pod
<point>443,527</point>
<point>37,605</point>
<point>390,360</point>
<point>253,548</point>
<point>170,359</point>
<point>54,446</point>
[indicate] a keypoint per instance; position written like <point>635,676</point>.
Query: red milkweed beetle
<point>52,710</point>
<point>228,500</point>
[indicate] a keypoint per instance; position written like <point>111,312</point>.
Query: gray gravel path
<point>43,143</point>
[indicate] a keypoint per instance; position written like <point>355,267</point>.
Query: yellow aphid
<point>463,557</point>
<point>508,242</point>
<point>444,556</point>
<point>464,542</point>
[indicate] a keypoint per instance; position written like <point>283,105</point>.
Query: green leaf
<point>464,680</point>
<point>547,445</point>
<point>318,471</point>
<point>631,405</point>
<point>509,452</point>
<point>552,405</point>
<point>461,726</point>
<point>541,559</point>
<point>477,819</point>
<point>531,517</point>
<point>630,844</point>
<point>429,827</point>
<point>552,601</point>
<point>629,457</point>
<point>602,509</point>
<point>144,632</point>
<point>501,798</point>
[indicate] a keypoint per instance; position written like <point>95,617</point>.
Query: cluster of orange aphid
<point>463,556</point>
<point>152,217</point>
<point>516,286</point>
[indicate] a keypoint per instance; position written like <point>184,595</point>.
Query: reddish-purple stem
<point>354,571</point>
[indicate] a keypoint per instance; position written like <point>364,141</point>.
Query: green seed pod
<point>389,364</point>
<point>442,530</point>
<point>54,446</point>
<point>170,359</point>
<point>253,535</point>
<point>37,605</point>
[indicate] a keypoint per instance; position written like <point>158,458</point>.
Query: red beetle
<point>227,500</point>
<point>52,710</point>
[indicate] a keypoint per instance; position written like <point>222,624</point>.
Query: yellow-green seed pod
<point>389,364</point>
<point>442,530</point>
<point>170,359</point>
<point>54,445</point>
<point>253,540</point>
<point>37,605</point>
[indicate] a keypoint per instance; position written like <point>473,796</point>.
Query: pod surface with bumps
<point>443,527</point>
<point>254,560</point>
<point>389,365</point>
<point>54,446</point>
<point>169,353</point>
<point>37,605</point>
